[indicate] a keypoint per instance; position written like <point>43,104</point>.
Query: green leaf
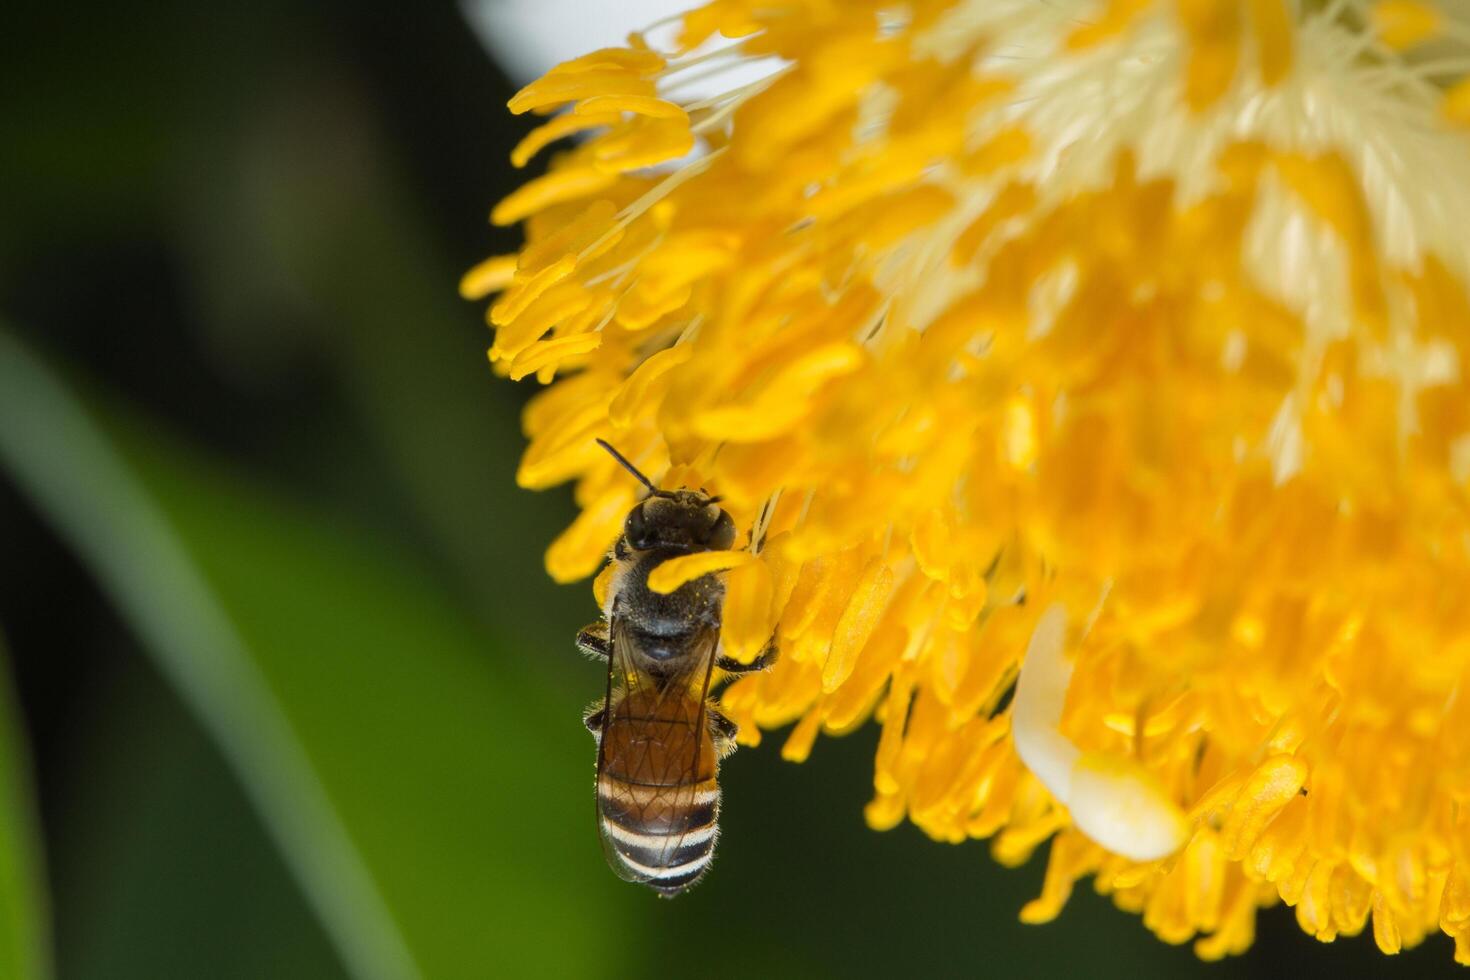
<point>25,941</point>
<point>160,867</point>
<point>372,726</point>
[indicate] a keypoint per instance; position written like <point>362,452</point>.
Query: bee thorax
<point>693,605</point>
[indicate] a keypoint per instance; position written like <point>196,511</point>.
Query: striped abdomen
<point>658,801</point>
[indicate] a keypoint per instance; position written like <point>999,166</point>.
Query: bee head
<point>679,520</point>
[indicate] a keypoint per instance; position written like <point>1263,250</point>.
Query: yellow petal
<point>858,621</point>
<point>798,746</point>
<point>1386,927</point>
<point>1275,783</point>
<point>1214,30</point>
<point>529,289</point>
<point>639,105</point>
<point>558,89</point>
<point>783,401</point>
<point>643,143</point>
<point>749,621</point>
<point>559,127</point>
<point>1456,107</point>
<point>642,308</point>
<point>552,352</point>
<point>566,184</point>
<point>1113,19</point>
<point>1002,149</point>
<point>632,395</point>
<point>586,236</point>
<point>579,549</point>
<point>639,61</point>
<point>1271,20</point>
<point>603,583</point>
<point>1402,24</point>
<point>565,451</point>
<point>490,276</point>
<point>557,305</point>
<point>686,568</point>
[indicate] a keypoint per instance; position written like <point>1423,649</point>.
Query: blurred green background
<point>292,696</point>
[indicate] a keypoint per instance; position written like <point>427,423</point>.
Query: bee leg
<point>593,640</point>
<point>722,729</point>
<point>767,657</point>
<point>594,716</point>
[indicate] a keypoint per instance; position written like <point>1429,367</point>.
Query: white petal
<point>1112,799</point>
<point>1119,804</point>
<point>1036,710</point>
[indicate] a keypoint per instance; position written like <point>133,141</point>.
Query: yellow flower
<point>1097,376</point>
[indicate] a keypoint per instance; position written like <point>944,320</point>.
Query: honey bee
<point>659,737</point>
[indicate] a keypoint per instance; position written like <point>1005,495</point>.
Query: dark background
<point>236,232</point>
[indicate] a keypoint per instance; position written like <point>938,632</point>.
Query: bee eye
<point>635,529</point>
<point>721,533</point>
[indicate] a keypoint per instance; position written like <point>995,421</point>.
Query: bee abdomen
<point>662,836</point>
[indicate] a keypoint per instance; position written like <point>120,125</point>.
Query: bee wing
<point>656,761</point>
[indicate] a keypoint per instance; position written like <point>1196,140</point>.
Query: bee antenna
<point>623,462</point>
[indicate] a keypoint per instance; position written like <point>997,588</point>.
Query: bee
<point>659,737</point>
